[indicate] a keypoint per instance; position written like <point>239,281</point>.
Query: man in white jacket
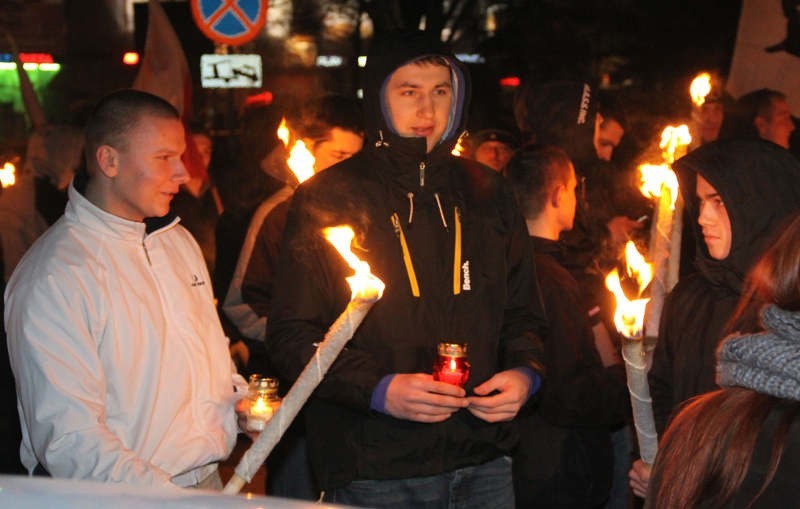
<point>122,368</point>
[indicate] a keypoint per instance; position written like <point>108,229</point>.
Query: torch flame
<point>283,132</point>
<point>459,148</point>
<point>637,267</point>
<point>7,175</point>
<point>656,177</point>
<point>700,88</point>
<point>363,283</point>
<point>674,140</point>
<point>629,314</point>
<point>301,162</point>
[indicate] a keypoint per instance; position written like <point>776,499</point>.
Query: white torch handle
<point>636,367</point>
<point>335,339</point>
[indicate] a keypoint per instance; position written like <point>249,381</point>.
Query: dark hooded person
<point>445,236</point>
<point>740,193</point>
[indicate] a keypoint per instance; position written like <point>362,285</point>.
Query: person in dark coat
<point>446,238</point>
<point>565,457</point>
<point>741,192</point>
<point>743,441</point>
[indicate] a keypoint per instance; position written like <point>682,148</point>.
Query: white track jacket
<point>122,369</point>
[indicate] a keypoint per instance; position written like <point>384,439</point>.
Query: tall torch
<point>636,349</point>
<point>659,182</point>
<point>366,290</point>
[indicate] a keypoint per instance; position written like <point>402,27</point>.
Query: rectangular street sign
<point>230,71</point>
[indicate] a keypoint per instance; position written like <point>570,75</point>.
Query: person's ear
<point>557,195</point>
<point>107,160</point>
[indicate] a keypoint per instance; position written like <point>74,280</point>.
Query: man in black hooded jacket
<point>445,236</point>
<point>739,193</point>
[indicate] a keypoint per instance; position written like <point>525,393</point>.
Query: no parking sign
<point>231,22</point>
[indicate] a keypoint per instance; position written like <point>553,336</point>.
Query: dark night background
<point>650,49</point>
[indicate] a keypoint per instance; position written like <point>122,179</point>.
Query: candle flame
<point>453,365</point>
<point>8,175</point>
<point>260,406</point>
<point>283,132</point>
<point>700,88</point>
<point>656,178</point>
<point>301,162</point>
<point>674,140</point>
<point>363,283</point>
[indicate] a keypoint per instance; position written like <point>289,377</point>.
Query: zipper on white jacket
<point>146,253</point>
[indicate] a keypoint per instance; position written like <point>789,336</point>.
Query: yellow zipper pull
<point>412,276</point>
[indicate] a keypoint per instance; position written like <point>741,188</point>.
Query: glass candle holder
<point>264,401</point>
<point>451,364</point>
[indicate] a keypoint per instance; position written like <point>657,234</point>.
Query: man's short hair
<point>739,121</point>
<point>327,112</point>
<point>760,102</point>
<point>117,113</point>
<point>534,173</point>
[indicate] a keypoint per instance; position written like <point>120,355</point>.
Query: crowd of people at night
<point>142,288</point>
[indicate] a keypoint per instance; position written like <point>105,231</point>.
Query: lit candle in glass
<point>264,400</point>
<point>451,364</point>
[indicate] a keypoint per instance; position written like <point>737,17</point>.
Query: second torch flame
<point>363,284</point>
<point>301,160</point>
<point>629,314</point>
<point>7,175</point>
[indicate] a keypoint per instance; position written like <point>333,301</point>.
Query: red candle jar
<point>451,364</point>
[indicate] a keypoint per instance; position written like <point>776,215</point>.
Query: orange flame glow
<point>637,267</point>
<point>8,175</point>
<point>674,140</point>
<point>363,284</point>
<point>629,314</point>
<point>283,132</point>
<point>301,162</point>
<point>459,148</point>
<point>655,178</point>
<point>700,88</point>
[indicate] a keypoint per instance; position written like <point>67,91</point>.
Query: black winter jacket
<point>475,291</point>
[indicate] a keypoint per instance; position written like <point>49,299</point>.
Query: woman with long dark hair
<point>740,446</point>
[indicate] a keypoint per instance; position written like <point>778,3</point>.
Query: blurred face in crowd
<point>711,116</point>
<point>337,146</point>
<point>714,220</point>
<point>776,127</point>
<point>607,135</point>
<point>145,170</point>
<point>204,146</point>
<point>419,98</point>
<point>494,154</point>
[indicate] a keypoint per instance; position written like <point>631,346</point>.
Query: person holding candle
<point>332,128</point>
<point>565,457</point>
<point>444,234</point>
<point>739,192</point>
<point>122,369</point>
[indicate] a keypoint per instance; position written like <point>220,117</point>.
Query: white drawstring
<point>410,207</point>
<point>441,212</point>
